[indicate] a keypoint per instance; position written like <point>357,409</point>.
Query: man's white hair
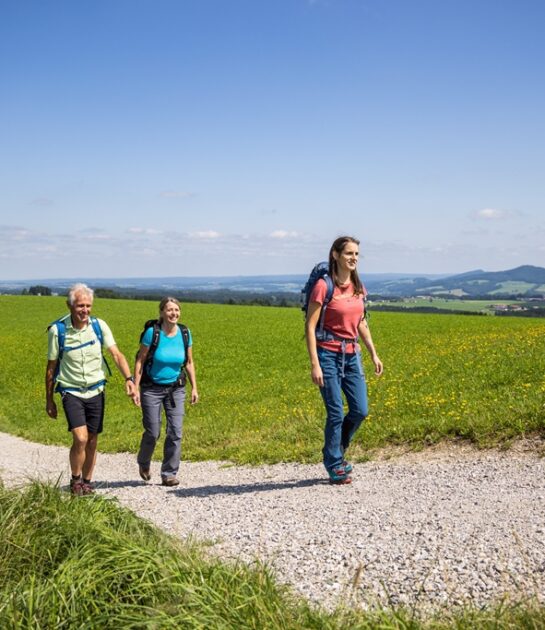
<point>79,287</point>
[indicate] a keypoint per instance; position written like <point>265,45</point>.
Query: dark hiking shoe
<point>170,481</point>
<point>88,487</point>
<point>144,473</point>
<point>339,476</point>
<point>77,487</point>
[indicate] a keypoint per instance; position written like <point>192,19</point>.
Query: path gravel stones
<point>446,526</point>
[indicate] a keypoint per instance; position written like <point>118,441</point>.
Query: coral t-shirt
<point>342,316</point>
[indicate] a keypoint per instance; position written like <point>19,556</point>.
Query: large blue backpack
<point>61,334</point>
<point>319,271</point>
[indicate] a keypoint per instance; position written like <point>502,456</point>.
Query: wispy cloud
<point>283,234</point>
<point>141,230</point>
<point>207,234</point>
<point>492,214</point>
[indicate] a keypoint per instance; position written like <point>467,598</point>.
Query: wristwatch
<point>130,378</point>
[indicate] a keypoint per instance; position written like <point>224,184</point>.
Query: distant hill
<point>523,281</point>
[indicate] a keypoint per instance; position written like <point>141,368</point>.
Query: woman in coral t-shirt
<point>335,354</point>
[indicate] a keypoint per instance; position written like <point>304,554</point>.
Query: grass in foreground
<point>86,563</point>
<point>449,376</point>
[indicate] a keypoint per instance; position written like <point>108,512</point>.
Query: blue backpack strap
<point>327,299</point>
<point>61,336</point>
<point>97,329</point>
<point>98,332</point>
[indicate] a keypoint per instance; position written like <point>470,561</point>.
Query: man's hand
<point>51,409</point>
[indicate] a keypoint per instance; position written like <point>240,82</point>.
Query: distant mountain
<point>524,281</point>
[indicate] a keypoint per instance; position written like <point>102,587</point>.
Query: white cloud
<point>283,234</point>
<point>140,230</point>
<point>492,214</point>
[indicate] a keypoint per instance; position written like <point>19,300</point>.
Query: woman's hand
<point>194,396</point>
<point>379,368</point>
<point>317,376</point>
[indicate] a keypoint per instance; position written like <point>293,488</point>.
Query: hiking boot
<point>88,487</point>
<point>77,487</point>
<point>347,467</point>
<point>170,481</point>
<point>339,476</point>
<point>144,472</point>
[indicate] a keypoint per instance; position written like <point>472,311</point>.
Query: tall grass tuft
<point>86,563</point>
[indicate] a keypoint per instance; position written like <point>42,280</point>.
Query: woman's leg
<point>152,401</point>
<point>355,389</point>
<point>330,363</point>
<point>173,440</point>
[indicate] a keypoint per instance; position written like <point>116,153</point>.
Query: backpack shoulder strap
<point>60,325</point>
<point>330,288</point>
<point>155,335</point>
<point>98,330</point>
<point>185,336</point>
<point>100,336</point>
<point>61,336</point>
<point>327,299</point>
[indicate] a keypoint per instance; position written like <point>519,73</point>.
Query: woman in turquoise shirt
<point>160,384</point>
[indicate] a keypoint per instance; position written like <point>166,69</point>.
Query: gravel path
<point>446,526</point>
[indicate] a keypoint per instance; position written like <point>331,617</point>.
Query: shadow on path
<point>247,488</point>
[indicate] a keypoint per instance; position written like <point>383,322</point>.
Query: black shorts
<point>81,412</point>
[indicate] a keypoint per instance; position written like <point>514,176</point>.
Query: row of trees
<point>37,289</point>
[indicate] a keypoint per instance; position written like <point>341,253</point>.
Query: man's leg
<point>78,450</point>
<point>94,418</point>
<point>90,456</point>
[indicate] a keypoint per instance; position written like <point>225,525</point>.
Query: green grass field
<point>480,378</point>
<point>473,306</point>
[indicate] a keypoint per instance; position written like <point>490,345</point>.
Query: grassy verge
<point>86,563</point>
<point>451,376</point>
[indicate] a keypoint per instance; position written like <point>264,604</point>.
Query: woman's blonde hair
<point>164,302</point>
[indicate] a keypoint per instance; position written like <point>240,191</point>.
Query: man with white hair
<point>75,369</point>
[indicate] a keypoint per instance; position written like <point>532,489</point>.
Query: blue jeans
<point>340,427</point>
<point>153,399</point>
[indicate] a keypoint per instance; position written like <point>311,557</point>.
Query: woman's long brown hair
<point>338,246</point>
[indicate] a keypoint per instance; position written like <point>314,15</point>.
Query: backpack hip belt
<point>326,335</point>
<point>170,388</point>
<point>60,389</point>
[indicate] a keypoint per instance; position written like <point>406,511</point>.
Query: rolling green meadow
<point>446,377</point>
<point>72,563</point>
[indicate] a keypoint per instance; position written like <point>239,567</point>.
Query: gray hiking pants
<point>153,399</point>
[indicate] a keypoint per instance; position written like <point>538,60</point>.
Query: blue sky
<point>221,137</point>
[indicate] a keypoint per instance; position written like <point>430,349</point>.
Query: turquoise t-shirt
<point>168,358</point>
